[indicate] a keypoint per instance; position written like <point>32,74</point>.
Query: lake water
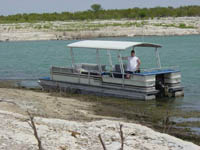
<point>32,60</point>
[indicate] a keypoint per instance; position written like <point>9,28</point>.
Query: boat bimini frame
<point>114,46</point>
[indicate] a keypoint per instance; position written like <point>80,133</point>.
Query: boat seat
<point>117,67</point>
<point>61,69</point>
<point>84,68</point>
<point>117,71</point>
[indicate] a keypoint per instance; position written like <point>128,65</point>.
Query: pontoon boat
<point>86,78</point>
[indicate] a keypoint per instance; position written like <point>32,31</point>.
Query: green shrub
<point>98,13</point>
<point>182,25</point>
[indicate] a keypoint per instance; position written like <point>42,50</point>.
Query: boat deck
<point>157,72</point>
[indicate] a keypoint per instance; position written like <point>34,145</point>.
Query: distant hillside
<point>134,13</point>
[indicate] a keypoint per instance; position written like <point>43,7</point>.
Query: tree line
<point>97,12</point>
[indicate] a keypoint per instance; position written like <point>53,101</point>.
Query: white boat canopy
<point>110,45</point>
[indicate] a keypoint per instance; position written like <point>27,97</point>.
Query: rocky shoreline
<point>56,134</point>
<point>67,30</point>
<point>75,121</point>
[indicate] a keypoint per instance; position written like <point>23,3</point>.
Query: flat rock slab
<point>57,134</point>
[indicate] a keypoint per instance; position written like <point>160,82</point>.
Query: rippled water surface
<point>31,60</point>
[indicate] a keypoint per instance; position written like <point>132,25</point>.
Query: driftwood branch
<point>121,136</point>
<point>102,143</point>
<point>32,125</point>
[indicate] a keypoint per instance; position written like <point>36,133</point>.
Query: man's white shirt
<point>132,63</point>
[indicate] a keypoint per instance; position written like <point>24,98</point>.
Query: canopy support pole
<point>98,60</point>
<point>72,56</point>
<point>110,60</point>
<point>158,58</point>
<point>121,67</point>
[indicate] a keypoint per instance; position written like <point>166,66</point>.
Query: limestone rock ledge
<point>59,134</point>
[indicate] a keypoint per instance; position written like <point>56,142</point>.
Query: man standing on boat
<point>133,64</point>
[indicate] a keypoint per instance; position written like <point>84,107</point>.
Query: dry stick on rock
<point>32,125</point>
<point>102,143</point>
<point>121,136</point>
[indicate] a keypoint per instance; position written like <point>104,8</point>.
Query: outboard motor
<point>160,85</point>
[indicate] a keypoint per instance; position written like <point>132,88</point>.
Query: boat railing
<point>90,74</point>
<point>61,69</point>
<point>75,71</point>
<point>112,71</point>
